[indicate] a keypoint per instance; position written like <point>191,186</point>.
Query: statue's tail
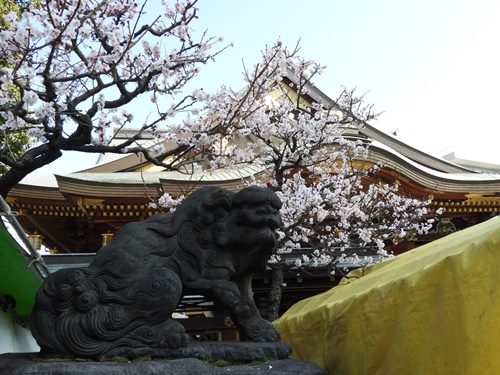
<point>89,312</point>
<point>69,318</point>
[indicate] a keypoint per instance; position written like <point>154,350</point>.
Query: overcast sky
<point>432,66</point>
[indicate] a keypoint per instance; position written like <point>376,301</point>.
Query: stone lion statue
<point>124,300</point>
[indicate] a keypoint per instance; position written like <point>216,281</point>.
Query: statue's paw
<point>269,334</point>
<point>262,331</point>
<point>272,335</point>
<point>175,341</point>
<point>228,293</point>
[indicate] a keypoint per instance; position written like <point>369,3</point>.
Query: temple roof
<point>115,178</point>
<point>73,210</point>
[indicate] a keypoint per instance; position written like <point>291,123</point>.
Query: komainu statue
<point>210,245</point>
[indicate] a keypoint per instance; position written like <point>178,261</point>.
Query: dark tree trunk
<point>32,160</point>
<point>9,180</point>
<point>274,298</point>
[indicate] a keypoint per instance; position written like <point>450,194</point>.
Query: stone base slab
<point>24,364</point>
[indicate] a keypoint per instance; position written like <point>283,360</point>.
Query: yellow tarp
<point>433,310</point>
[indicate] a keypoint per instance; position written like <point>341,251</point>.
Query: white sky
<point>432,66</point>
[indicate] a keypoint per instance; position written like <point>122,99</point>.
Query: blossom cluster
<point>167,202</point>
<point>312,154</point>
<point>72,64</point>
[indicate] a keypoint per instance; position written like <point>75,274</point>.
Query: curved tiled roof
<point>114,173</point>
<point>135,183</point>
<point>412,153</point>
<point>430,178</point>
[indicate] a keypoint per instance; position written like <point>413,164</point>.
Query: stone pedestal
<point>24,363</point>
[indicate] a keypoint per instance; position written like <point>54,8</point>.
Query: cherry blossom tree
<point>70,67</point>
<point>11,144</point>
<point>310,152</point>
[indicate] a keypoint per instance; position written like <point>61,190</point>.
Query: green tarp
<point>16,278</point>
